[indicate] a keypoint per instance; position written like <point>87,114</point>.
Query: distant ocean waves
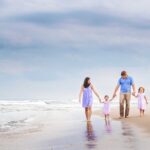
<point>10,106</point>
<point>17,116</point>
<point>7,106</point>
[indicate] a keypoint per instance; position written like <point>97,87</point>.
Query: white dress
<point>106,107</point>
<point>141,101</point>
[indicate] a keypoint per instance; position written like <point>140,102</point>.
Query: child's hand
<point>133,94</point>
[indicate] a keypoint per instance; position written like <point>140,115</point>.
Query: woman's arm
<point>146,99</point>
<point>80,94</point>
<point>93,89</point>
<point>134,90</point>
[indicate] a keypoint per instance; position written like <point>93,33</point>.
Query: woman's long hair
<point>86,84</point>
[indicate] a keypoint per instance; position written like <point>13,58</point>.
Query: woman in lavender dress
<point>87,100</point>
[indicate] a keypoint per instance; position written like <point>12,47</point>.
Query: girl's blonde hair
<point>141,88</point>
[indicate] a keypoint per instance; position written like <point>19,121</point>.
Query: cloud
<point>86,28</point>
<point>125,9</point>
<point>78,17</point>
<point>104,80</point>
<point>48,46</point>
<point>13,67</point>
<point>25,35</point>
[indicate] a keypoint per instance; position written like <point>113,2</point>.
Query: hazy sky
<point>47,47</point>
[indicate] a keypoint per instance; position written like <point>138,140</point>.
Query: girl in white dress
<point>142,101</point>
<point>106,111</point>
<point>106,106</point>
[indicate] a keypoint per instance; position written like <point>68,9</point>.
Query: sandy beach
<point>141,122</point>
<point>44,126</point>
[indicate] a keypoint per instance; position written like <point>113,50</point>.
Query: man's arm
<point>116,89</point>
<point>95,92</point>
<point>112,99</point>
<point>134,89</point>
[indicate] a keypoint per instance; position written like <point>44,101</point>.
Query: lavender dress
<point>141,101</point>
<point>87,100</point>
<point>106,108</point>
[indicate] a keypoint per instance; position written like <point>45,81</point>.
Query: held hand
<point>133,93</point>
<point>112,99</point>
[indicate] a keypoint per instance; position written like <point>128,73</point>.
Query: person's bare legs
<point>140,113</point>
<point>108,117</point>
<point>90,113</point>
<point>86,113</point>
<point>106,120</point>
<point>143,112</point>
<point>109,125</point>
<point>105,117</point>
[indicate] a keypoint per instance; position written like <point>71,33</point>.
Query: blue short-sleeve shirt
<point>126,84</point>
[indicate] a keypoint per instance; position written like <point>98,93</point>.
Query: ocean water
<point>18,115</point>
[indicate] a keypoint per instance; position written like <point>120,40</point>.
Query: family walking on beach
<point>125,83</point>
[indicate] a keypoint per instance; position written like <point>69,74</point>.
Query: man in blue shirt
<point>125,83</point>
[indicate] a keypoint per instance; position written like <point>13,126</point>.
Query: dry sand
<point>134,118</point>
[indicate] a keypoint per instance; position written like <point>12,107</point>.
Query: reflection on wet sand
<point>108,126</point>
<point>129,135</point>
<point>90,136</point>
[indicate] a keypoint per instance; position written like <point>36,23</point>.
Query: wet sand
<point>68,130</point>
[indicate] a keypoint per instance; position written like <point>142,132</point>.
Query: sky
<point>48,47</point>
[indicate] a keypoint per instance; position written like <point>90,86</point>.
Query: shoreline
<point>44,128</point>
<point>141,122</point>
